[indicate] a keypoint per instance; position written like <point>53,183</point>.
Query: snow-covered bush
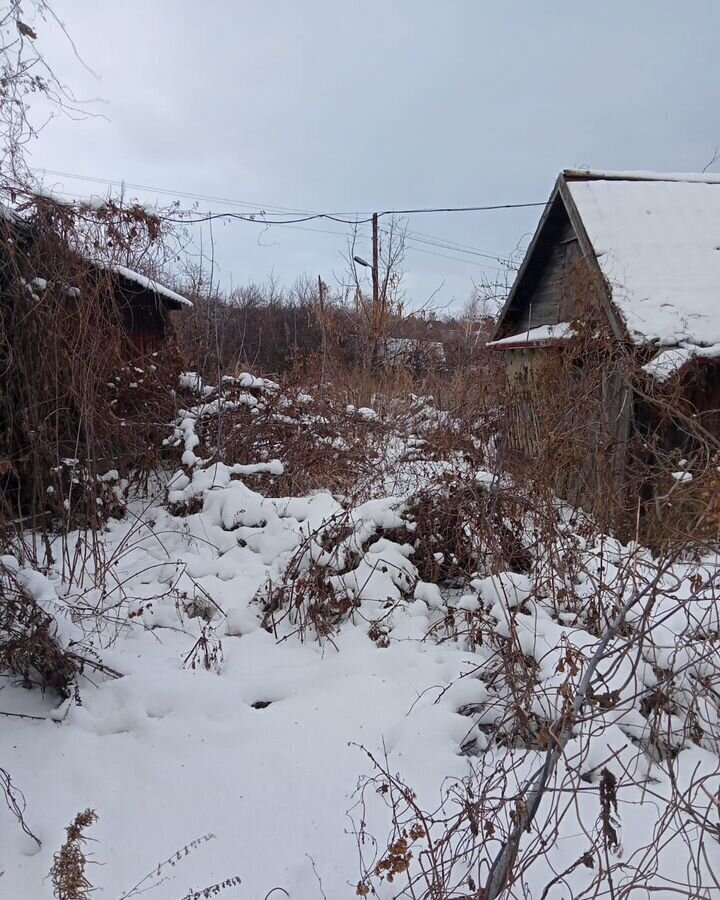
<point>592,733</point>
<point>35,636</point>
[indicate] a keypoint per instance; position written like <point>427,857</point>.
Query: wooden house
<point>611,334</point>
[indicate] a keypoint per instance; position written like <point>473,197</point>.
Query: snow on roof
<point>148,284</point>
<point>671,360</point>
<point>560,332</point>
<point>143,281</point>
<point>657,239</point>
<point>641,175</point>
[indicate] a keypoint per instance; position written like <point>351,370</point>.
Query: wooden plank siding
<point>547,304</point>
<point>539,296</point>
<point>592,437</point>
<point>144,319</point>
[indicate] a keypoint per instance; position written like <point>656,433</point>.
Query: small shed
<point>73,331</point>
<point>611,331</point>
<point>143,303</point>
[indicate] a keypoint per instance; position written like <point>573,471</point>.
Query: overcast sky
<point>337,105</point>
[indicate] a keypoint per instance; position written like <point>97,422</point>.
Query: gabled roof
<point>656,240</point>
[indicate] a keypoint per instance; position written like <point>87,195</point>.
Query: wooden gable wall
<point>546,301</point>
<point>539,296</point>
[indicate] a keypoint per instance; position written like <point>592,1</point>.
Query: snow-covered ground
<point>245,712</point>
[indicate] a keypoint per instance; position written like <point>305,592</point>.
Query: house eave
<point>528,345</point>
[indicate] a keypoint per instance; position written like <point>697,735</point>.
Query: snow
<point>9,215</point>
<point>265,748</point>
<point>559,332</point>
<point>657,242</point>
<point>192,381</point>
<point>682,477</point>
<point>250,381</point>
<point>642,175</point>
<point>148,284</point>
<point>265,753</point>
<point>409,351</point>
<point>667,362</point>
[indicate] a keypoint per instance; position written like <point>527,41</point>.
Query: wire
<point>410,241</point>
<point>470,262</point>
<point>306,217</point>
<point>259,216</point>
<point>455,245</point>
<point>455,209</point>
<point>207,198</point>
<point>455,249</point>
<point>332,217</point>
<point>429,240</point>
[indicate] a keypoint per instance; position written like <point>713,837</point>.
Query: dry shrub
<point>29,646</point>
<point>206,653</point>
<point>321,444</point>
<point>309,602</point>
<point>461,525</point>
<point>70,881</point>
<point>261,327</point>
<point>503,827</point>
<point>68,870</point>
<point>69,391</point>
<point>304,596</point>
<point>15,801</point>
<point>160,873</point>
<point>338,574</point>
<point>433,852</point>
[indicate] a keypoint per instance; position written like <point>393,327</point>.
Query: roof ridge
<point>640,175</point>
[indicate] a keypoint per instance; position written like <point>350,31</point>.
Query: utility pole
<point>321,301</point>
<point>375,280</point>
<point>376,312</point>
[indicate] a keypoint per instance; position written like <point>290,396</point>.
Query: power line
<point>206,198</point>
<point>470,262</point>
<point>306,215</point>
<point>333,217</point>
<point>410,241</point>
<point>456,209</point>
<point>443,245</point>
<point>256,221</point>
<point>455,245</point>
<point>259,216</point>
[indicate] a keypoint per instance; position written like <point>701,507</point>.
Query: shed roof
<point>654,237</point>
<point>657,242</point>
<point>138,281</point>
<point>127,278</point>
